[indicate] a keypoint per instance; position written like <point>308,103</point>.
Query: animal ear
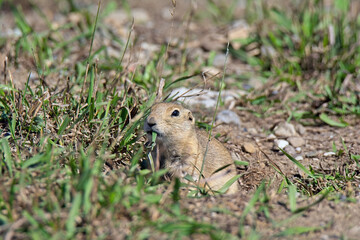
<point>191,117</point>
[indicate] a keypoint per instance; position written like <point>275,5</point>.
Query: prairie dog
<point>182,147</point>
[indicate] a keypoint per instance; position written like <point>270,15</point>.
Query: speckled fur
<point>182,147</point>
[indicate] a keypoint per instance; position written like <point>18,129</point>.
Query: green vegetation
<point>70,152</point>
<point>312,46</point>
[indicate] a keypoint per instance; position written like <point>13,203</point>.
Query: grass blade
<point>325,118</point>
<point>74,212</point>
<point>228,184</point>
<point>7,155</point>
<point>250,205</point>
<point>304,169</point>
<point>292,231</point>
<point>292,197</point>
<point>64,124</point>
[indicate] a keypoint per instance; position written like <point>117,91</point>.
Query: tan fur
<point>182,147</point>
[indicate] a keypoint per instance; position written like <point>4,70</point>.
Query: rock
<point>300,129</point>
<point>205,98</point>
<point>255,82</point>
<point>296,141</point>
<point>147,52</point>
<point>116,18</point>
<point>75,17</point>
<point>211,71</point>
<point>355,231</point>
<point>212,44</point>
<point>166,13</point>
<point>281,143</point>
<point>290,150</point>
<point>228,117</point>
<point>240,30</point>
<point>10,33</point>
<point>271,136</point>
<point>298,149</point>
<point>112,52</point>
<point>140,15</point>
<point>252,131</point>
<point>284,129</point>
<point>324,237</point>
<point>327,154</point>
<point>241,4</point>
<point>268,51</point>
<point>235,156</point>
<point>249,148</point>
<point>312,154</point>
<point>219,60</point>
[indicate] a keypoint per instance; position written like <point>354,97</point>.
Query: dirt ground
<point>328,219</point>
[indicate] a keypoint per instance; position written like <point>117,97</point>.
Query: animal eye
<point>175,113</point>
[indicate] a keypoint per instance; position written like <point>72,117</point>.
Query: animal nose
<point>151,122</point>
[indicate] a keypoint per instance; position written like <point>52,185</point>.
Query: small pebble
<point>271,136</point>
<point>290,150</point>
<point>228,117</point>
<point>116,17</point>
<point>281,143</point>
<point>235,156</point>
<point>300,129</point>
<point>284,129</point>
<point>140,15</point>
<point>252,131</point>
<point>255,82</point>
<point>299,158</point>
<point>166,13</point>
<point>298,149</point>
<point>6,134</point>
<point>219,60</point>
<point>249,148</point>
<point>329,154</point>
<point>296,141</point>
<point>311,154</point>
<point>324,237</point>
<point>206,98</point>
<point>268,51</point>
<point>355,230</point>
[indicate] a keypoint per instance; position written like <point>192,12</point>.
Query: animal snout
<point>151,122</point>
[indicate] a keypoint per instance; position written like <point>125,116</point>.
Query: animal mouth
<point>151,131</point>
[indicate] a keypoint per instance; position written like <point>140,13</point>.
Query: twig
<point>5,68</point>
<point>160,90</point>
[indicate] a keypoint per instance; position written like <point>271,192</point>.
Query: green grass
<point>306,56</point>
<point>56,139</point>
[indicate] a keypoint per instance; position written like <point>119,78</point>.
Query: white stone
<point>228,117</point>
<point>281,143</point>
<point>204,97</point>
<point>329,154</point>
<point>271,136</point>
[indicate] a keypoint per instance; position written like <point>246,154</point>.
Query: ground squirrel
<point>181,147</point>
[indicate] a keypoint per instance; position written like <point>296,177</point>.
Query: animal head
<point>169,119</point>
